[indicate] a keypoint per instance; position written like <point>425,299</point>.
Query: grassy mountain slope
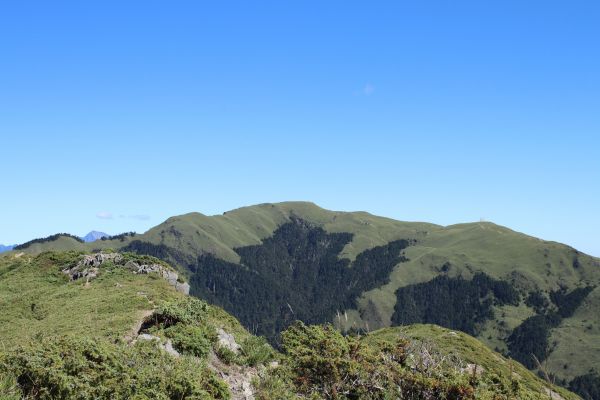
<point>577,335</point>
<point>527,263</point>
<point>37,300</point>
<point>63,338</point>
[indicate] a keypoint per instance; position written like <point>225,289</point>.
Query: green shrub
<point>69,368</point>
<point>255,350</point>
<point>188,310</point>
<point>192,340</point>
<point>226,355</point>
<point>325,363</point>
<point>275,384</point>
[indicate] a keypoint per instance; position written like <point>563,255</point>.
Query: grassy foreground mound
<point>491,368</point>
<point>416,362</point>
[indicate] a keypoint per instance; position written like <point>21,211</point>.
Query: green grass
<point>37,300</point>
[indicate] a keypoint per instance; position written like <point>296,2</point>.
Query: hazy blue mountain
<point>4,248</point>
<point>93,236</point>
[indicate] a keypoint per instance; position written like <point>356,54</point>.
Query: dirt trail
<point>239,379</point>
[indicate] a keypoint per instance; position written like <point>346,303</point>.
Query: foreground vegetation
<point>81,368</point>
<point>133,336</point>
<point>320,363</point>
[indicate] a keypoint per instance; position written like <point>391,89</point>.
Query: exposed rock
<point>88,267</point>
<point>95,260</point>
<point>88,273</point>
<point>167,346</point>
<point>147,336</point>
<point>228,341</point>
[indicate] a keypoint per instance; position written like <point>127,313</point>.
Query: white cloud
<point>104,215</point>
<point>369,89</point>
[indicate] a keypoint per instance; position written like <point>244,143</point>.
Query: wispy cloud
<point>104,215</point>
<point>369,89</point>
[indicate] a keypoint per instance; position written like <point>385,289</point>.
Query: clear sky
<point>116,116</point>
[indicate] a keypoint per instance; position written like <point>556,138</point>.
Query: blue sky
<point>442,111</point>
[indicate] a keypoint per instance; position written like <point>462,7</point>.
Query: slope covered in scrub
<point>113,326</point>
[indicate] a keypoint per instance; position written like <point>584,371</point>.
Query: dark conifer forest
<point>296,274</point>
<point>454,303</point>
<point>529,342</point>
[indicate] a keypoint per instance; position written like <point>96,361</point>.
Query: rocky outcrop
<point>171,276</point>
<point>96,260</point>
<point>89,267</point>
<point>227,341</point>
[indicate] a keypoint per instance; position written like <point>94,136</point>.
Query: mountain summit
<point>94,235</point>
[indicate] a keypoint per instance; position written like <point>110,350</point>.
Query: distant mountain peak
<point>4,248</point>
<point>93,236</point>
